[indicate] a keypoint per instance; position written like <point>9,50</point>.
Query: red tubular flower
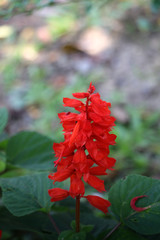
<point>77,186</point>
<point>83,155</point>
<point>99,203</point>
<point>133,202</point>
<point>0,233</point>
<point>61,175</point>
<point>57,194</point>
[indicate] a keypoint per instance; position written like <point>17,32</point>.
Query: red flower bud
<point>133,202</point>
<point>57,194</point>
<point>98,202</point>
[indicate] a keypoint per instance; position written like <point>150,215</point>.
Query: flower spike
<point>83,155</point>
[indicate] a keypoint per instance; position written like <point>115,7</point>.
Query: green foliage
<point>155,5</point>
<point>120,195</point>
<point>125,233</point>
<point>26,194</point>
<point>3,118</point>
<point>71,235</point>
<point>14,7</point>
<point>30,150</point>
<point>137,140</point>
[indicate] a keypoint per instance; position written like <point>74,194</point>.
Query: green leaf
<point>100,224</point>
<point>87,228</point>
<point>2,162</point>
<point>26,194</point>
<point>30,150</point>
<point>14,7</point>
<point>3,118</point>
<point>71,235</point>
<point>73,225</point>
<point>155,5</point>
<point>66,235</point>
<point>125,233</point>
<point>33,222</point>
<point>120,195</point>
<point>84,228</point>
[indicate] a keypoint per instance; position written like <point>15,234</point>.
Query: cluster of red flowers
<point>84,152</point>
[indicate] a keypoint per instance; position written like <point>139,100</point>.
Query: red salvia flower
<point>0,234</point>
<point>134,207</point>
<point>58,194</point>
<point>83,155</point>
<point>99,203</point>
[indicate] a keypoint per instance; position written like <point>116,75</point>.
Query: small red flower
<point>133,202</point>
<point>0,233</point>
<point>57,194</point>
<point>99,203</point>
<point>83,155</point>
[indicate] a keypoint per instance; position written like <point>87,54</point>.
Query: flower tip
<point>91,88</point>
<point>133,202</point>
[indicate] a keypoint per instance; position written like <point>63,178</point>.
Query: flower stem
<point>54,224</point>
<point>109,234</point>
<point>77,213</point>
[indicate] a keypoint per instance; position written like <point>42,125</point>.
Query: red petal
<point>58,194</point>
<point>68,117</point>
<point>75,133</point>
<point>76,187</point>
<point>95,182</point>
<point>80,95</point>
<point>92,148</point>
<point>98,171</point>
<point>100,110</point>
<point>133,202</point>
<point>60,176</point>
<point>80,139</point>
<point>79,156</point>
<point>0,233</point>
<point>99,203</point>
<point>68,102</point>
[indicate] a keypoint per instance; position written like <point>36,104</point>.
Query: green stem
<point>77,213</point>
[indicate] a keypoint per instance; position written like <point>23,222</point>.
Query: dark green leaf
<point>3,141</point>
<point>124,233</point>
<point>155,4</point>
<point>33,223</point>
<point>66,235</point>
<point>26,194</point>
<point>73,225</point>
<point>84,228</point>
<point>87,228</point>
<point>3,118</point>
<point>30,150</point>
<point>71,235</point>
<point>120,195</point>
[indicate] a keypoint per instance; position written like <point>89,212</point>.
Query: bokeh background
<point>49,49</point>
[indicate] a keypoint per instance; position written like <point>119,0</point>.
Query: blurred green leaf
<point>120,195</point>
<point>3,118</point>
<point>30,150</point>
<point>13,7</point>
<point>155,5</point>
<point>26,194</point>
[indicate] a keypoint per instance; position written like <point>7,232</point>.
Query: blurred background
<point>50,49</point>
